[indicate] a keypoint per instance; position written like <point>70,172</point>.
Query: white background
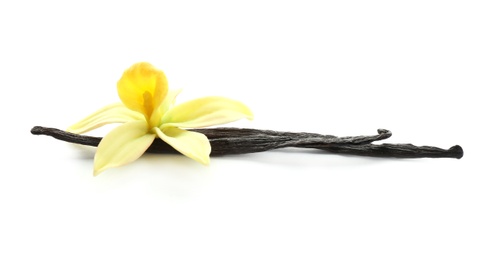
<point>332,67</point>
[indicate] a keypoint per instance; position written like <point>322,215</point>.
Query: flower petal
<point>169,99</point>
<point>167,103</point>
<point>122,145</point>
<point>191,144</point>
<point>114,113</point>
<point>142,88</point>
<point>207,111</point>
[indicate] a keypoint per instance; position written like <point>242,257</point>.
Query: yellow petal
<point>114,113</point>
<point>122,145</point>
<point>191,144</point>
<point>206,111</point>
<point>169,99</point>
<point>142,88</point>
<point>167,103</point>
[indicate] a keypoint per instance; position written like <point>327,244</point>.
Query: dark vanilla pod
<point>225,141</point>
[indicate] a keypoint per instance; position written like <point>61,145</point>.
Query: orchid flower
<point>147,111</point>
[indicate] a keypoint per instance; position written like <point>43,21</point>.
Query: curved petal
<point>191,144</point>
<point>114,113</point>
<point>122,145</point>
<point>169,99</point>
<point>167,103</point>
<point>142,88</point>
<point>207,111</point>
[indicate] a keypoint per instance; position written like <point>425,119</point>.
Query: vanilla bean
<point>264,140</point>
<point>398,151</point>
<point>240,140</point>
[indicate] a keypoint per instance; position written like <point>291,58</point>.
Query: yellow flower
<point>147,111</point>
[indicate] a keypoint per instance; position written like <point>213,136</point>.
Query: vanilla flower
<point>147,111</point>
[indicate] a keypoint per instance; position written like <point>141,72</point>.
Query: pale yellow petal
<point>114,113</point>
<point>122,145</point>
<point>191,144</point>
<point>167,103</point>
<point>142,88</point>
<point>207,111</point>
<point>169,99</point>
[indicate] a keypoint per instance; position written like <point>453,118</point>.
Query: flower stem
<point>242,140</point>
